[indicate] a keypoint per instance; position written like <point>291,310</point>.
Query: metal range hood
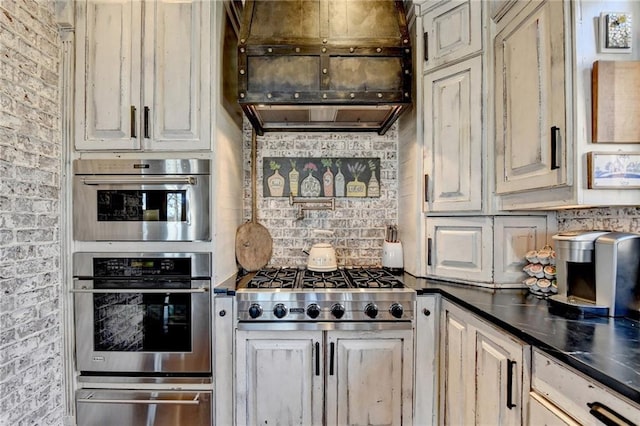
<point>324,65</point>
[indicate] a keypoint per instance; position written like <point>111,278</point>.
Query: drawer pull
<point>607,416</point>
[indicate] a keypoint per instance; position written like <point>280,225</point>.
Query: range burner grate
<point>274,278</point>
<point>290,278</point>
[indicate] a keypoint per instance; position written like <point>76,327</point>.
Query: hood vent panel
<point>324,65</point>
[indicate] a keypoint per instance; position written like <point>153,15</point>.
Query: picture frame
<point>615,32</point>
<point>613,170</point>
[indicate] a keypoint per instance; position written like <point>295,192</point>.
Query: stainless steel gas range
<point>347,298</point>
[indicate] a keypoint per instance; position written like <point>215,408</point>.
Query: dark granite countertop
<point>605,349</point>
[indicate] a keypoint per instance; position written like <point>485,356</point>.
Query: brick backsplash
<point>625,219</point>
<point>31,389</point>
<point>358,224</point>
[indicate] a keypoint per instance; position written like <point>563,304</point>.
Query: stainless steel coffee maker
<point>598,273</point>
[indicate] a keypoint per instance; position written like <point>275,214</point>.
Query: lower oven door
<point>107,407</point>
<point>156,329</point>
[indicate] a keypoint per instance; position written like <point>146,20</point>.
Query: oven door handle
<point>141,291</point>
<point>147,180</point>
<point>194,401</point>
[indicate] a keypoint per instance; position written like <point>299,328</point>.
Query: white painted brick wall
<point>30,278</point>
<point>624,219</point>
<point>359,224</point>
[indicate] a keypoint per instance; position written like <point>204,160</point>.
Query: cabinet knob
<point>426,312</point>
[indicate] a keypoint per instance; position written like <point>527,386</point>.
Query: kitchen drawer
<point>572,392</point>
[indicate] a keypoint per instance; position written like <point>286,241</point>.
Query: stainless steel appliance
<point>598,273</point>
<point>141,200</point>
<point>118,407</point>
<point>143,313</point>
<point>347,298</point>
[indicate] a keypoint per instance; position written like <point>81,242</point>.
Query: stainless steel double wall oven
<point>143,321</point>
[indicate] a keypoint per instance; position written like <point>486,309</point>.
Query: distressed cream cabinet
<point>426,361</point>
<point>143,75</point>
<point>483,249</point>
<point>453,105</point>
<point>530,106</point>
<point>543,55</point>
<point>333,377</point>
<point>560,395</point>
<point>483,371</point>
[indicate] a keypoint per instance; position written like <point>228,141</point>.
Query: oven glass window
<point>141,322</point>
<point>142,205</point>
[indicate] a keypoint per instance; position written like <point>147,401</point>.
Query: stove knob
<point>396,310</point>
<point>371,310</point>
<point>337,310</point>
<point>255,310</point>
<point>313,310</point>
<point>279,310</point>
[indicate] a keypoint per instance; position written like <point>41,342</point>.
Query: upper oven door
<point>141,207</point>
<point>143,326</point>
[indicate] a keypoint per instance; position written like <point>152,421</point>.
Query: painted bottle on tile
<point>275,182</point>
<point>327,177</point>
<point>294,175</point>
<point>339,181</point>
<point>310,186</point>
<point>373,188</point>
<point>355,188</point>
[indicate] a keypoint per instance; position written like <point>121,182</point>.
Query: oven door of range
<point>151,330</point>
<point>136,407</point>
<point>141,208</point>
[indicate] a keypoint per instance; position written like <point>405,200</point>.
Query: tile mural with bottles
<point>321,177</point>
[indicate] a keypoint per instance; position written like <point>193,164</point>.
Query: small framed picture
<point>620,171</point>
<point>615,32</point>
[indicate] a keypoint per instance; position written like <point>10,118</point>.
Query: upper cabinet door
<point>530,105</point>
<point>143,75</point>
<point>453,137</point>
<point>176,70</point>
<point>452,31</point>
<point>107,92</point>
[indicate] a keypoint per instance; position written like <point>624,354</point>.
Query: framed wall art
<point>613,170</point>
<point>321,177</point>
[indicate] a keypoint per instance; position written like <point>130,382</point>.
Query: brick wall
<point>625,219</point>
<point>30,279</point>
<point>359,224</point>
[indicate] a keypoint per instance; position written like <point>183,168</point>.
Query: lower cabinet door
<point>279,378</point>
<point>369,378</point>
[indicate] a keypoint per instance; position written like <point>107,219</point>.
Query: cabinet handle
<point>332,349</point>
<point>317,358</point>
<point>555,133</point>
<point>132,121</point>
<point>510,365</point>
<point>429,242</point>
<point>607,416</point>
<point>146,122</point>
<point>426,188</point>
<point>425,37</point>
